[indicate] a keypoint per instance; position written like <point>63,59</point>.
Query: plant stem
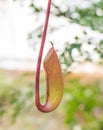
<point>37,79</point>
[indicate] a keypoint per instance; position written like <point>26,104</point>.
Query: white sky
<point>15,24</point>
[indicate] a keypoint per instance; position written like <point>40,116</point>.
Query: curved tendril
<point>37,99</point>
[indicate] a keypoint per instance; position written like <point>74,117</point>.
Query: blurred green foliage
<point>84,54</point>
<point>15,94</point>
<point>84,105</point>
<point>87,13</point>
<point>82,102</point>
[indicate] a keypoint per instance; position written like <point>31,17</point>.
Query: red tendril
<point>37,99</point>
